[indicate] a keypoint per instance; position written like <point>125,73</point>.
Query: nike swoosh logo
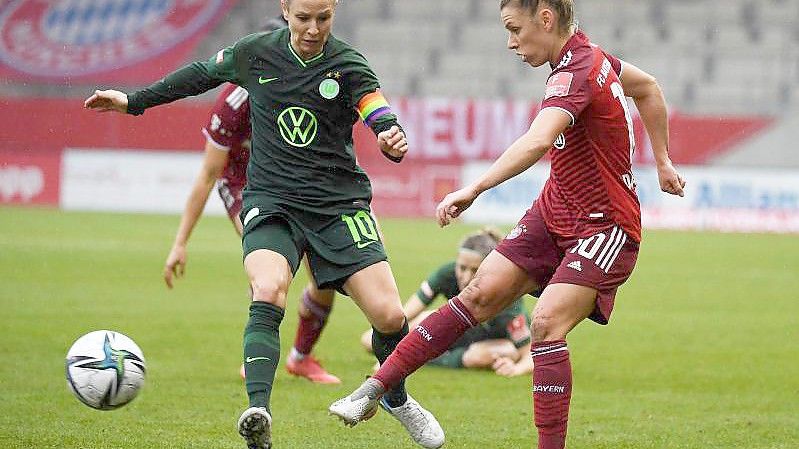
<point>362,245</point>
<point>262,80</point>
<point>252,359</point>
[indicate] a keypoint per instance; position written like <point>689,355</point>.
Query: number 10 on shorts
<point>362,228</point>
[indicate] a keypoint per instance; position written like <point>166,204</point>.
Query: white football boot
<point>354,411</point>
<point>255,426</point>
<point>420,423</point>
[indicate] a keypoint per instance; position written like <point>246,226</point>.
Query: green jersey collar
<point>304,63</point>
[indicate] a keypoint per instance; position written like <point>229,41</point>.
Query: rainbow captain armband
<point>373,106</point>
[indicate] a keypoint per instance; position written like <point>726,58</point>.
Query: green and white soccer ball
<point>105,369</point>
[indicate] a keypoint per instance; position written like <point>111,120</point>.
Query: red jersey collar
<point>578,39</point>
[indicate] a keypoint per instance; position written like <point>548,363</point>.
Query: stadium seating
<point>710,56</point>
<point>702,51</point>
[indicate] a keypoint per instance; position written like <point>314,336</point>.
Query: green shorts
<point>337,244</point>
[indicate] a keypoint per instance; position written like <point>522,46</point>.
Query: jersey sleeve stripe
<point>372,107</point>
<point>213,142</point>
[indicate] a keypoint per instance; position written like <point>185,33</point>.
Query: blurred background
<point>729,69</point>
<point>698,355</point>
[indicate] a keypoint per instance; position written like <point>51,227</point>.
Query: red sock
<point>309,329</point>
<point>552,391</point>
<point>430,339</point>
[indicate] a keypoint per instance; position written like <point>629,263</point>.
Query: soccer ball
<point>105,369</point>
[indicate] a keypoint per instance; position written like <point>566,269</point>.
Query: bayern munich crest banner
<point>122,41</point>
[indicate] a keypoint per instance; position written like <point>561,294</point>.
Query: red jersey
<point>229,129</point>
<point>591,186</point>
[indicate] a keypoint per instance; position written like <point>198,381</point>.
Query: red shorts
<point>603,260</point>
<point>231,197</point>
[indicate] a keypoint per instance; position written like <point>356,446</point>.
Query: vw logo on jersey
<point>560,142</point>
<point>57,38</point>
<point>298,126</point>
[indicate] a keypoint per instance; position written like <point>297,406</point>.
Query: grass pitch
<point>702,351</point>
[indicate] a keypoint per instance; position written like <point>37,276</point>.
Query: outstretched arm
<point>213,164</point>
<point>645,91</point>
<point>520,156</point>
<point>193,79</point>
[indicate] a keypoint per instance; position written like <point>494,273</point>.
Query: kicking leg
<point>373,289</point>
<point>498,282</point>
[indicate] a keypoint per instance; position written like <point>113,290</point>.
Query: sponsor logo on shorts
<point>576,265</point>
<point>424,333</point>
<point>362,245</point>
<point>255,359</point>
<point>517,231</point>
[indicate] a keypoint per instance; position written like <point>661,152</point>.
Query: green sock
<point>452,358</point>
<point>261,351</point>
<point>383,345</point>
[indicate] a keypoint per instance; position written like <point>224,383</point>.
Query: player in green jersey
<point>501,343</point>
<point>305,193</point>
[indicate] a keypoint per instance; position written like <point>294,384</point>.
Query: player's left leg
<point>583,286</point>
<point>559,309</point>
<point>314,309</point>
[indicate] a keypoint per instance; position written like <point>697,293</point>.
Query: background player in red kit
<point>579,239</point>
<point>227,151</point>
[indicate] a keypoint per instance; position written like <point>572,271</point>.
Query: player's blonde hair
<point>482,242</point>
<point>564,9</point>
<point>288,2</point>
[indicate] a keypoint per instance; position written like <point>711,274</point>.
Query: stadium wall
<point>81,160</point>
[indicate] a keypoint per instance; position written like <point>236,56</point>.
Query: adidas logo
<point>576,265</point>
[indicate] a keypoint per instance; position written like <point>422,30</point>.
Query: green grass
<point>702,351</point>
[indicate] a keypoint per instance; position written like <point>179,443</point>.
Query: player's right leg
<point>271,258</point>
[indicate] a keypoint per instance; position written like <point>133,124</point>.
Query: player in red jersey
<point>579,240</point>
<point>227,151</point>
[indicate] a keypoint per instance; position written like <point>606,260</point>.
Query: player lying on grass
<point>502,343</point>
<point>578,241</point>
<point>227,152</point>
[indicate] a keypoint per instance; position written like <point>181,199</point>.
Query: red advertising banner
<point>100,40</point>
<point>457,130</point>
<point>29,176</point>
<point>412,188</point>
<point>444,134</point>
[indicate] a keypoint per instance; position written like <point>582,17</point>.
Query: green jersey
<point>302,113</point>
